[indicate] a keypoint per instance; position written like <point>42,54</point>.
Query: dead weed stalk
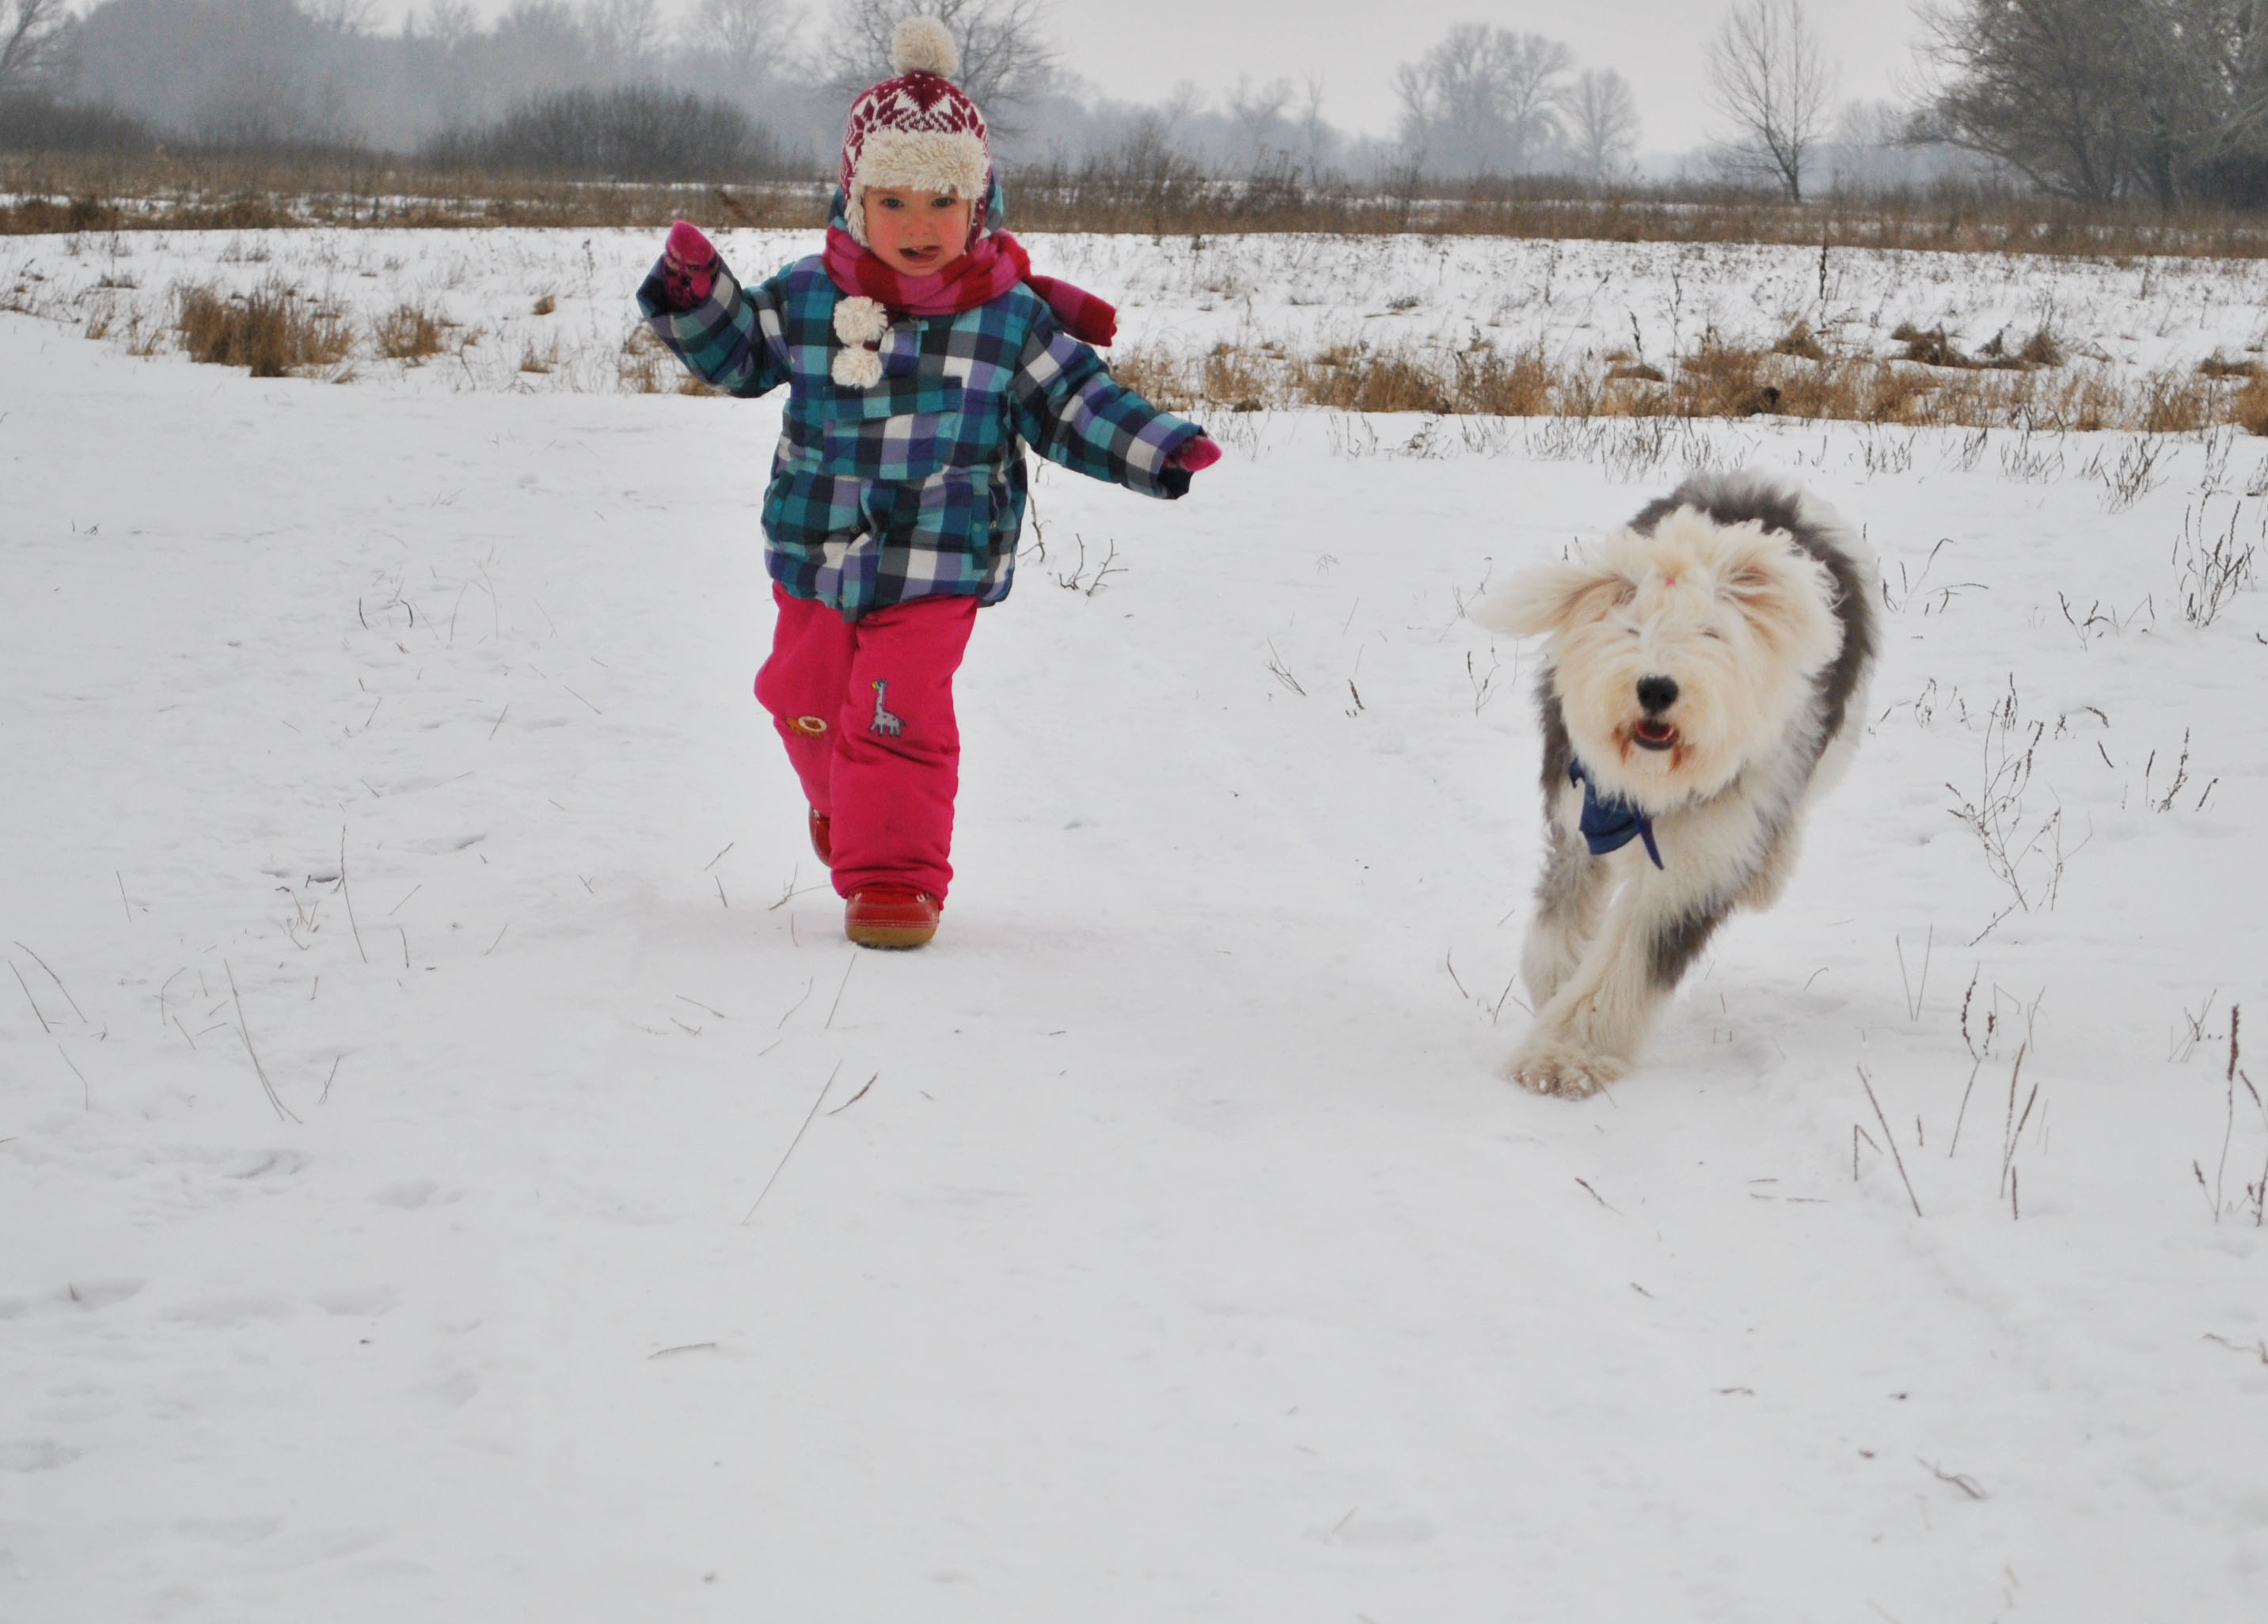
<point>271,330</point>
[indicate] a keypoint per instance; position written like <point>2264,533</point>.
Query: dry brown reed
<point>1717,380</point>
<point>407,332</point>
<point>61,192</point>
<point>174,191</point>
<point>645,365</point>
<point>272,330</point>
<point>2249,409</point>
<point>1799,341</point>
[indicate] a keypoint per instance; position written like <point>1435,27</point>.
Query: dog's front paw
<point>1571,1074</point>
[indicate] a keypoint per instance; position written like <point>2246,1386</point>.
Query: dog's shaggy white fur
<point>1706,674</point>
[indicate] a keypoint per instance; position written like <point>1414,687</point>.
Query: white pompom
<point>925,45</point>
<point>859,320</point>
<point>856,367</point>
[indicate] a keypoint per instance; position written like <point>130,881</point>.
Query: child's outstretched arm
<point>1070,411</point>
<point>725,334</point>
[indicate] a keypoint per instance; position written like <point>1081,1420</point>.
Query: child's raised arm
<point>1071,411</point>
<point>725,334</point>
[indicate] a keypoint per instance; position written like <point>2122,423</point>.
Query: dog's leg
<point>1589,1032</point>
<point>1568,899</point>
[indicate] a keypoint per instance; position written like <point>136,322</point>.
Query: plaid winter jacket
<point>914,488</point>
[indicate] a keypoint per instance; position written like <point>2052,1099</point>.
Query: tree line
<point>2097,100</point>
<point>556,77</point>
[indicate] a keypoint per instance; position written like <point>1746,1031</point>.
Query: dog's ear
<point>1786,596</point>
<point>1553,599</point>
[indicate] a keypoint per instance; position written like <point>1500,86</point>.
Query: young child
<point>921,356</point>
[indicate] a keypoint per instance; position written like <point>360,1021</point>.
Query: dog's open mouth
<point>1655,735</point>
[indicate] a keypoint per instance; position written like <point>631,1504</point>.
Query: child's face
<point>916,232</point>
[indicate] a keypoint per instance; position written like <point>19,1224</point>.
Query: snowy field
<point>1179,297</point>
<point>453,1168</point>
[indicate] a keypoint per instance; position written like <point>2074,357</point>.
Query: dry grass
<point>407,332</point>
<point>272,330</point>
<point>2042,348</point>
<point>1721,380</point>
<point>1799,341</point>
<point>61,192</point>
<point>170,191</point>
<point>1930,348</point>
<point>1934,348</point>
<point>2249,409</point>
<point>1717,380</point>
<point>645,365</point>
<point>1354,377</point>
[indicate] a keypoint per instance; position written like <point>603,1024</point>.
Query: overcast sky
<point>1141,50</point>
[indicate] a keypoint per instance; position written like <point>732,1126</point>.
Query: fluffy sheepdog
<point>1705,678</point>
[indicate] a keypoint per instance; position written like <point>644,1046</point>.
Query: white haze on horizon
<point>1656,45</point>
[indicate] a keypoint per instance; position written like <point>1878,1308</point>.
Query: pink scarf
<point>994,263</point>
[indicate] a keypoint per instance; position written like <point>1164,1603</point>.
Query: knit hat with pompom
<point>917,132</point>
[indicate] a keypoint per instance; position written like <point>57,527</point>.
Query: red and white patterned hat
<point>917,131</point>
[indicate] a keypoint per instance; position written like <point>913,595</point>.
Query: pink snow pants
<point>866,710</point>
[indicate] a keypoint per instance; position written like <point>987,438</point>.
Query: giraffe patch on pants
<point>890,726</point>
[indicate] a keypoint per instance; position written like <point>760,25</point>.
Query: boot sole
<point>890,936</point>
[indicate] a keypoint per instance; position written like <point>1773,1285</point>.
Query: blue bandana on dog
<point>1610,823</point>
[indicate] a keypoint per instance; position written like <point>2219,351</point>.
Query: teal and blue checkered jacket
<point>914,488</point>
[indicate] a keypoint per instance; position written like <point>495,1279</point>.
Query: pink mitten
<point>688,265</point>
<point>1195,454</point>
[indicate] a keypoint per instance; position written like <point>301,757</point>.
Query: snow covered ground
<point>451,1167</point>
<point>1179,296</point>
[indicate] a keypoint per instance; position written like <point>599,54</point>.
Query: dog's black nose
<point>1656,694</point>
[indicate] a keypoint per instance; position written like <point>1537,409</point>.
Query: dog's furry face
<point>1677,656</point>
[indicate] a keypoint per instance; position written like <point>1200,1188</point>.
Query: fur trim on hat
<point>925,45</point>
<point>916,160</point>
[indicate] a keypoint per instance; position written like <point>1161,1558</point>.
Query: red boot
<point>823,836</point>
<point>887,914</point>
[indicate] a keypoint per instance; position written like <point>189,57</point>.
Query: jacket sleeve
<point>734,338</point>
<point>1068,409</point>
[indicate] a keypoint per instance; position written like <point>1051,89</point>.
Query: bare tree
<point>625,35</point>
<point>537,43</point>
<point>1602,125</point>
<point>1534,72</point>
<point>748,37</point>
<point>35,39</point>
<point>344,17</point>
<point>1768,80</point>
<point>1485,100</point>
<point>2093,98</point>
<point>1318,140</point>
<point>1007,61</point>
<point>1258,115</point>
<point>450,23</point>
<point>2037,85</point>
